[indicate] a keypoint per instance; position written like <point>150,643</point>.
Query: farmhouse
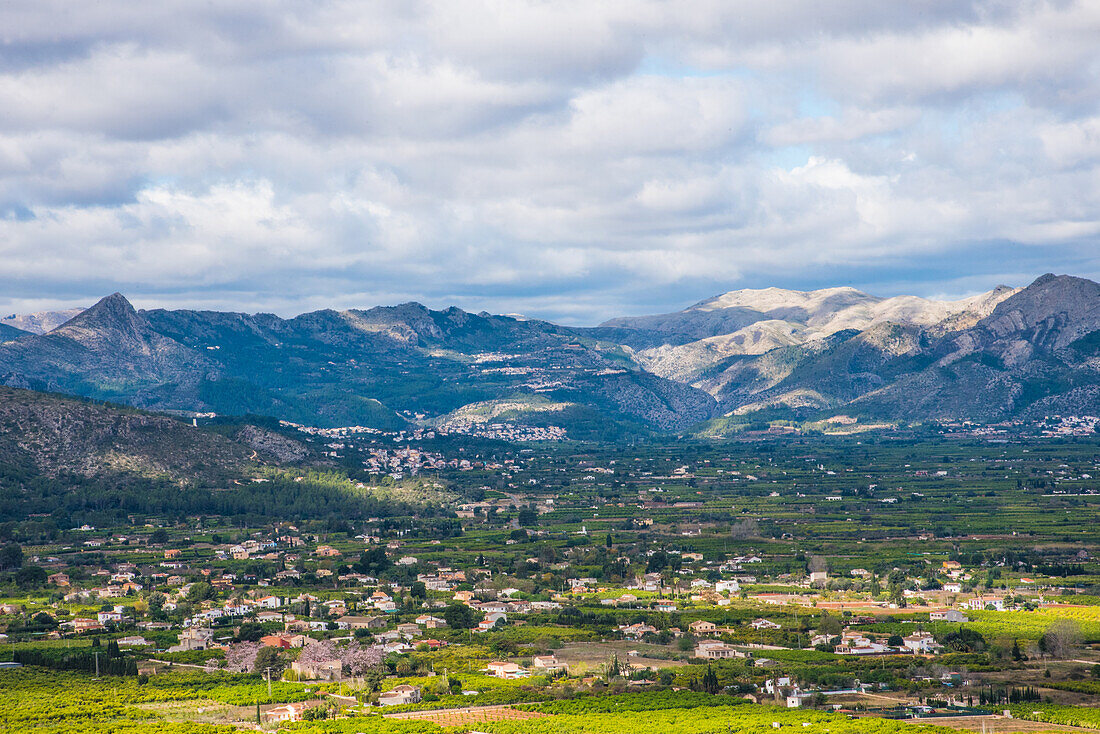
<point>950,615</point>
<point>920,642</point>
<point>549,663</point>
<point>361,623</point>
<point>763,624</point>
<point>713,650</point>
<point>286,712</point>
<point>703,627</point>
<point>399,696</point>
<point>508,671</point>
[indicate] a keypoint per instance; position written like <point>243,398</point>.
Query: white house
<point>920,642</point>
<point>508,671</point>
<point>399,696</point>
<point>713,650</point>
<point>548,663</point>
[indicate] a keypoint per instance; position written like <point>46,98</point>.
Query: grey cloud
<point>572,160</point>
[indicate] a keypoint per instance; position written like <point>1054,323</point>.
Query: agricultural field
<point>581,588</point>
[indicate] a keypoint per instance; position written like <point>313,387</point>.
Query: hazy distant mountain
<point>40,322</point>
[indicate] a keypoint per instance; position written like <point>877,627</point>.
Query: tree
<point>250,632</point>
<point>373,561</point>
<point>11,556</point>
<point>269,657</point>
<point>710,681</point>
<point>241,657</point>
<point>158,536</point>
<point>45,620</point>
<point>528,517</point>
<point>358,660</point>
<point>614,668</point>
<point>745,529</point>
<point>1061,638</point>
<point>201,591</point>
<point>460,616</point>
<point>965,640</point>
<point>829,625</point>
<point>156,601</point>
<point>657,562</point>
<point>30,577</point>
<point>317,713</point>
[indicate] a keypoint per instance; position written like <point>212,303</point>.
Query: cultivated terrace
<point>423,582</point>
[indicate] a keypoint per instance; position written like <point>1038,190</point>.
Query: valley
<point>843,582</point>
<point>821,510</point>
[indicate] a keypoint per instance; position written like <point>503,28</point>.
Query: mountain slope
<point>9,333</point>
<point>57,434</point>
<point>108,351</point>
<point>1037,353</point>
<point>67,461</point>
<point>339,368</point>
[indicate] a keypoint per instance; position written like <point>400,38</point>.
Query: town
<point>868,578</point>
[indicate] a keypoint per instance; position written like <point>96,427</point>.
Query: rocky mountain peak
<point>1062,307</point>
<point>110,315</point>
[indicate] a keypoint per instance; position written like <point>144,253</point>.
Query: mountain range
<point>1009,352</point>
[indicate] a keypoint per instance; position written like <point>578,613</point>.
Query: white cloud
<point>579,158</point>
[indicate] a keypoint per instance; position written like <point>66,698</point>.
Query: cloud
<point>567,160</point>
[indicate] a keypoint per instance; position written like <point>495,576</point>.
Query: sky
<point>570,160</point>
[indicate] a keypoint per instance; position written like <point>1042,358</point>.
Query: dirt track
<point>454,717</point>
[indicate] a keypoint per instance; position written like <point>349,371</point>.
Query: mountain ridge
<point>995,354</point>
<point>374,366</point>
<point>10,333</point>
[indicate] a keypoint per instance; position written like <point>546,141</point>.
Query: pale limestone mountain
<point>1036,353</point>
<point>686,345</point>
<point>41,321</point>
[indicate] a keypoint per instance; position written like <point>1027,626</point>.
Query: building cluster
<point>503,431</point>
<point>397,462</point>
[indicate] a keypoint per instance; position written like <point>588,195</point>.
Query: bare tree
<point>1061,638</point>
<point>745,529</point>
